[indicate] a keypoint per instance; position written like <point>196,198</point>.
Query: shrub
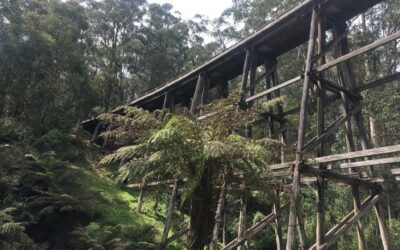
<point>11,130</point>
<point>63,145</point>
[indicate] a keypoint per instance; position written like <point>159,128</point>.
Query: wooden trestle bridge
<point>309,22</point>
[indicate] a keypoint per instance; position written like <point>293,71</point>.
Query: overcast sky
<point>188,8</point>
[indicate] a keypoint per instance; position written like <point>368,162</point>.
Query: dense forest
<point>62,62</point>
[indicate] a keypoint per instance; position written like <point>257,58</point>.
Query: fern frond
<point>11,228</point>
<point>125,153</point>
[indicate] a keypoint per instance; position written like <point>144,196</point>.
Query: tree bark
<point>201,213</point>
<point>218,214</point>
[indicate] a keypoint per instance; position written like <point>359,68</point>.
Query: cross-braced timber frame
<point>309,22</point>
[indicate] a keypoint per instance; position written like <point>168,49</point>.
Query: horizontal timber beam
<point>378,82</point>
<point>395,171</point>
<point>370,162</point>
<point>341,157</point>
<point>358,90</point>
<point>359,51</point>
<point>340,177</point>
<point>331,86</point>
<point>279,166</point>
<point>275,88</point>
<point>358,154</point>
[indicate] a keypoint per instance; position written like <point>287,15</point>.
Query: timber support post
<point>196,100</point>
<point>242,215</point>
<point>382,226</point>
<point>321,95</point>
<point>168,220</point>
<point>140,200</point>
<point>278,224</point>
<point>295,197</point>
<point>168,101</point>
<point>245,76</point>
<point>347,76</point>
<point>360,228</point>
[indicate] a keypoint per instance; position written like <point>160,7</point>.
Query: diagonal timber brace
<point>252,231</point>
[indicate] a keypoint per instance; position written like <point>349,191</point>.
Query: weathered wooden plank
<point>385,179</point>
<point>340,177</point>
<point>360,51</point>
<point>395,171</point>
<point>358,154</point>
<point>370,162</point>
<point>275,88</point>
<point>282,174</point>
<point>280,166</point>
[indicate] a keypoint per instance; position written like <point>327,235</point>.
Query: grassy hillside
<point>60,198</point>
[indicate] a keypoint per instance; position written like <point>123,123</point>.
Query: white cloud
<point>189,8</point>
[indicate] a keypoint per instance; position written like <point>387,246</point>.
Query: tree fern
<point>12,233</point>
<point>179,147</point>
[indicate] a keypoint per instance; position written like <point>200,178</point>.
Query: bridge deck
<point>274,39</point>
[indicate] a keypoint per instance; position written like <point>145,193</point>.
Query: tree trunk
<point>201,213</point>
<point>218,214</point>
